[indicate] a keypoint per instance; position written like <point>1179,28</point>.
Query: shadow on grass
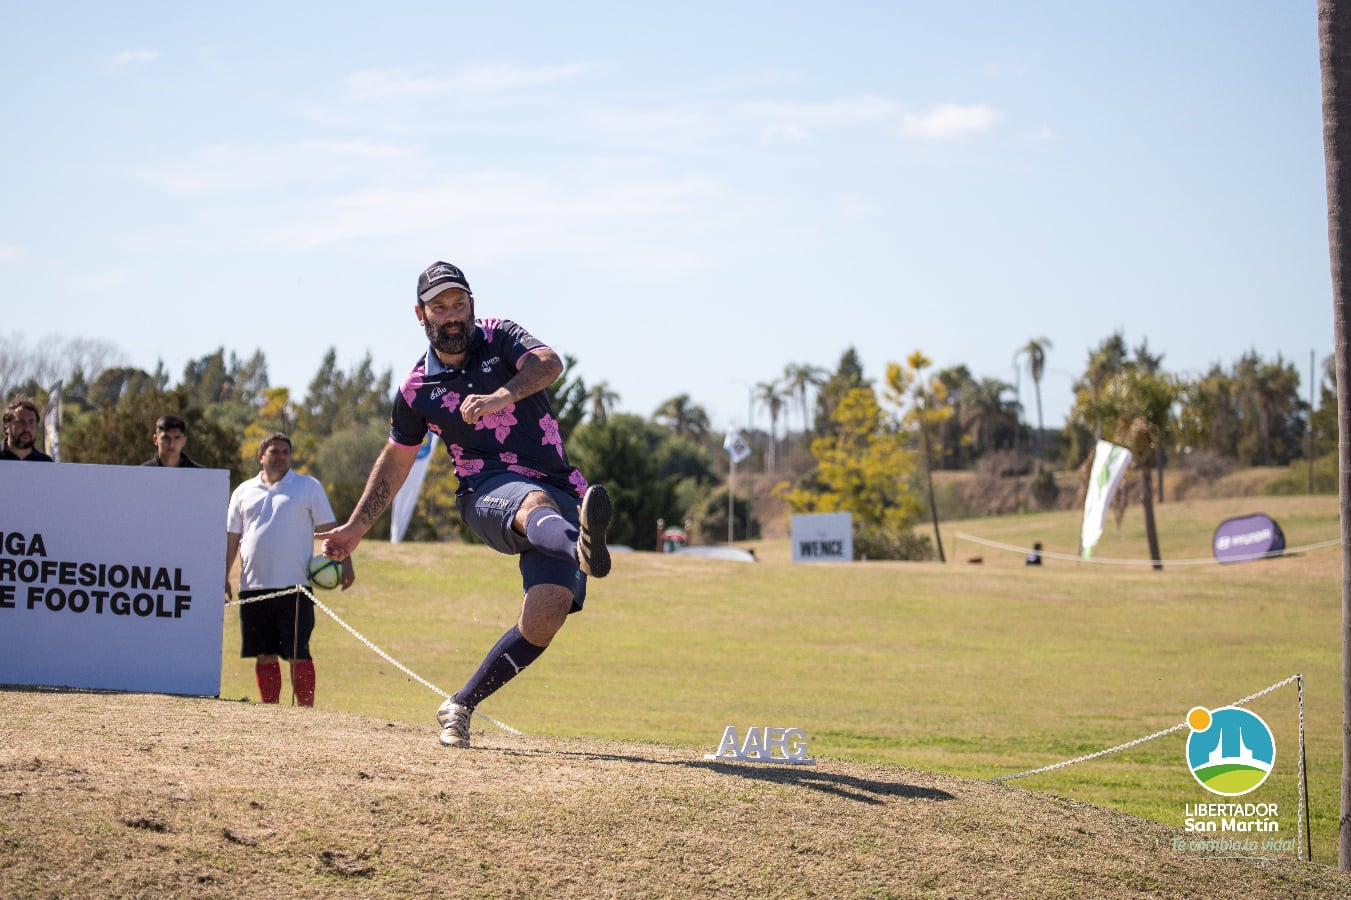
<point>847,787</point>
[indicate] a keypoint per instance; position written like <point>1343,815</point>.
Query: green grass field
<point>980,669</point>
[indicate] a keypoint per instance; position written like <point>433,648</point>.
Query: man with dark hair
<point>270,526</point>
<point>170,438</point>
<point>21,428</point>
<point>480,386</point>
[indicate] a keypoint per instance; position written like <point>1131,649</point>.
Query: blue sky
<point>684,199</point>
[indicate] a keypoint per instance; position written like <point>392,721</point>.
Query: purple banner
<point>1245,538</point>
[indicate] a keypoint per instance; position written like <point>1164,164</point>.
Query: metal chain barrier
<point>360,637</point>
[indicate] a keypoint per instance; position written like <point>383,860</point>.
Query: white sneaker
<point>454,721</point>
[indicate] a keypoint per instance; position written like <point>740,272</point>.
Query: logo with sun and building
<point>1230,751</point>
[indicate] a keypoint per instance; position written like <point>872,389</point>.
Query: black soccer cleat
<point>592,554</point>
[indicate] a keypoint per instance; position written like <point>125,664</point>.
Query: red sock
<point>269,681</point>
<point>302,681</point>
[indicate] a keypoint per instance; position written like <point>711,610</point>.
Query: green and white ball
<point>325,573</point>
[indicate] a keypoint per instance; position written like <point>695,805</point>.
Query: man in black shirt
<point>21,429</point>
<point>170,437</point>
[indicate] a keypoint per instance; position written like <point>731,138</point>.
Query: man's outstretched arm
<point>387,476</point>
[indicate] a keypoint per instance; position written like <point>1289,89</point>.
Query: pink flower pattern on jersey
<point>578,482</point>
<point>432,426</point>
<point>499,422</point>
<point>508,457</point>
<point>526,471</point>
<point>464,467</point>
<point>450,401</point>
<point>549,425</point>
<point>410,385</point>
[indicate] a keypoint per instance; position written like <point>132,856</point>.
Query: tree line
<point>856,446</point>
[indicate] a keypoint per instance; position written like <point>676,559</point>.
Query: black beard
<point>446,341</point>
<point>22,442</point>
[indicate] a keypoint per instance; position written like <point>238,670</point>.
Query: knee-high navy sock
<point>550,533</point>
<point>509,656</point>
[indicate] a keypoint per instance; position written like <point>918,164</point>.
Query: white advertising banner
<point>1109,465</point>
<point>405,501</point>
<point>112,577</point>
<point>823,537</point>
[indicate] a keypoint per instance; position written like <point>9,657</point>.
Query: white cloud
<point>134,58</point>
<point>385,83</point>
<point>9,253</point>
<point>502,214</point>
<point>949,121</point>
<point>799,121</point>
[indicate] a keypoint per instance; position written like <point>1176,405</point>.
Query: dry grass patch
<point>140,795</point>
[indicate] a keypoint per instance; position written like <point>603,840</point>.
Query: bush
<point>1295,480</point>
<point>709,525</point>
<point>1200,468</point>
<point>874,543</point>
<point>1045,491</point>
<point>1006,464</point>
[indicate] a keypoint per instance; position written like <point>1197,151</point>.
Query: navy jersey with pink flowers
<point>522,437</point>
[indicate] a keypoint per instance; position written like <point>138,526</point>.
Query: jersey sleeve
<point>514,342</point>
<point>406,425</point>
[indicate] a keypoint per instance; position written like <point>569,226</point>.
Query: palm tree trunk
<point>1158,467</point>
<point>1151,532</point>
<point>1334,51</point>
<point>1041,428</point>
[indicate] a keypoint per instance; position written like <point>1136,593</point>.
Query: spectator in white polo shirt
<point>270,526</point>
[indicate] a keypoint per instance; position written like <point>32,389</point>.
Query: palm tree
<point>988,410</point>
<point>1334,51</point>
<point>1151,362</point>
<point>603,402</point>
<point>767,393</point>
<point>1103,363</point>
<point>798,379</point>
<point>960,389</point>
<point>683,416</point>
<point>1035,351</point>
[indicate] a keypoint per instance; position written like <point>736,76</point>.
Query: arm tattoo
<point>374,504</point>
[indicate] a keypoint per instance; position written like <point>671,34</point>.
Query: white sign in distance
<point>823,537</point>
<point>112,577</point>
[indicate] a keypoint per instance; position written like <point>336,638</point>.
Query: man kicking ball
<point>480,386</point>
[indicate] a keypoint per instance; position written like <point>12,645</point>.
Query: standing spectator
<point>480,385</point>
<point>170,439</point>
<point>270,526</point>
<point>21,428</point>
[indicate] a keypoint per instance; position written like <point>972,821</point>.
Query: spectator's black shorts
<point>280,626</point>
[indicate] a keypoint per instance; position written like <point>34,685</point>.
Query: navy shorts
<point>490,508</point>
<point>280,626</point>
